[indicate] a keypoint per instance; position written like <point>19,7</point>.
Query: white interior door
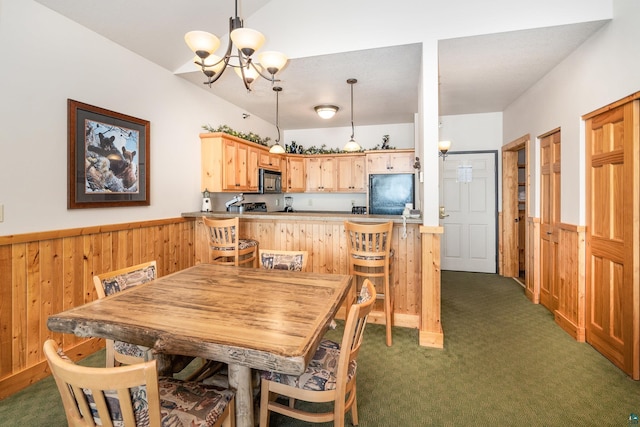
<point>469,199</point>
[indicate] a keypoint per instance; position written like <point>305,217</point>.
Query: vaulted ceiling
<point>477,74</point>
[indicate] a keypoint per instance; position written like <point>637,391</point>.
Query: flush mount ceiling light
<point>247,42</point>
<point>352,145</point>
<point>326,111</point>
<point>277,148</point>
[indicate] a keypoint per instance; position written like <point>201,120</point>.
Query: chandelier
<point>247,42</point>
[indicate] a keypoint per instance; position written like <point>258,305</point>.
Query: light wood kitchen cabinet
<point>229,164</point>
<point>321,174</point>
<point>391,161</point>
<point>270,161</point>
<point>351,174</point>
<point>294,181</point>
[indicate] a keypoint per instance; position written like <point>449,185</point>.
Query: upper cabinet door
<point>391,161</point>
<point>351,174</point>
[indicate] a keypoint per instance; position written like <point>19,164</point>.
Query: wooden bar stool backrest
<point>225,245</point>
<point>370,256</point>
<point>369,245</point>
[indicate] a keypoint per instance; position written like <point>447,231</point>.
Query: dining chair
<point>329,377</point>
<point>224,245</point>
<point>370,255</point>
<point>119,352</point>
<point>272,259</point>
<point>134,395</point>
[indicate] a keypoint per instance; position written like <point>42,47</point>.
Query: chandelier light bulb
<point>247,40</point>
<point>272,61</point>
<point>202,43</point>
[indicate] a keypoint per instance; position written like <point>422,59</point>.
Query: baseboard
<point>24,378</point>
<point>569,326</point>
<point>432,339</point>
<point>401,320</point>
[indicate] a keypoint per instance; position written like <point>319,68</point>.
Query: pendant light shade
<point>352,145</point>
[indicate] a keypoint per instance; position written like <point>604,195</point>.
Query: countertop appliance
<point>269,181</point>
<point>389,193</point>
<point>248,207</point>
<point>359,210</point>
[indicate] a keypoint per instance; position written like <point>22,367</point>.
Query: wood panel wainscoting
<point>570,289</point>
<point>417,290</point>
<point>325,242</point>
<point>47,272</point>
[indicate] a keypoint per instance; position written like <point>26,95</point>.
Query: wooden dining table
<point>249,318</point>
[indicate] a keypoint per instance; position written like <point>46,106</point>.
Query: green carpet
<point>505,363</point>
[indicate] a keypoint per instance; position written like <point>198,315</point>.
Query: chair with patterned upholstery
<point>134,396</point>
<point>224,245</point>
<point>371,256</point>
<point>115,281</point>
<point>329,377</point>
<point>272,259</point>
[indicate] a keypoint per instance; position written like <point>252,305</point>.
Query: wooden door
<point>612,186</point>
<point>510,218</point>
<point>549,218</point>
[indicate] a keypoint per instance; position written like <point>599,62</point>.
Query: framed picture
<point>108,158</point>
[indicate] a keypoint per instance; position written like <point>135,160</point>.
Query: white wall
<point>53,59</point>
<point>602,70</point>
<point>475,132</point>
<point>47,59</point>
<point>400,136</point>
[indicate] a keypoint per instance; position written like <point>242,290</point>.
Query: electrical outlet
<point>310,202</point>
<point>1,213</point>
<point>277,202</point>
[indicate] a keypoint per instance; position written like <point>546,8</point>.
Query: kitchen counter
<point>305,216</point>
<point>322,235</point>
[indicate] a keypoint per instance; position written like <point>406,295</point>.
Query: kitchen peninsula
<point>231,165</point>
<point>323,236</point>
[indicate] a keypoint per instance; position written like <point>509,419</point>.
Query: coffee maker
<point>206,201</point>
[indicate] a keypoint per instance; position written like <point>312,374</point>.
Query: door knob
<point>442,214</point>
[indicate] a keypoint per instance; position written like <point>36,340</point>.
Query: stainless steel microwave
<point>269,182</point>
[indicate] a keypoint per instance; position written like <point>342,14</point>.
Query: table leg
<point>240,379</point>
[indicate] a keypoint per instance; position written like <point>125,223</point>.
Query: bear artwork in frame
<point>108,158</point>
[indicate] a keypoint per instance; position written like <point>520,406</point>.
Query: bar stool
<point>224,245</point>
<point>370,255</point>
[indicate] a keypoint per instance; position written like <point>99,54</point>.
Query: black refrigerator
<point>388,193</point>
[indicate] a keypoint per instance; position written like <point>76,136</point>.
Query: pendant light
<point>277,148</point>
<point>352,145</point>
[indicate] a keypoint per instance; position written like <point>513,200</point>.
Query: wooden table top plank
<point>265,319</point>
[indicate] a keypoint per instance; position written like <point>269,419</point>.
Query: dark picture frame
<point>109,163</point>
